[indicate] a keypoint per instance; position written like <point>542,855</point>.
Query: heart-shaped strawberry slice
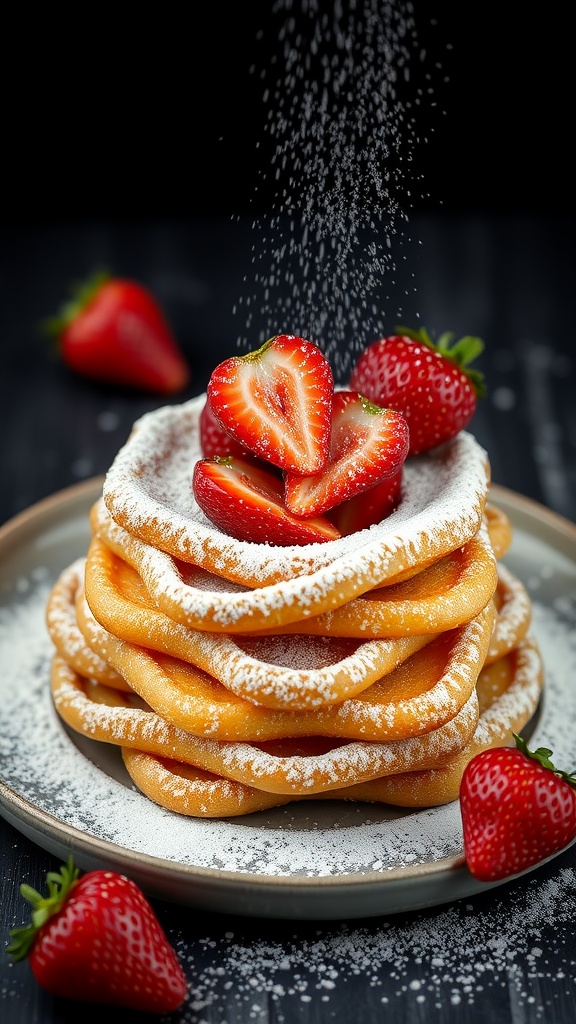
<point>368,444</point>
<point>277,402</point>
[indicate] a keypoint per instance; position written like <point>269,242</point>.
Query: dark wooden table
<point>508,954</point>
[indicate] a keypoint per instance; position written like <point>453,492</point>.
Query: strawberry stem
<point>542,756</point>
<point>461,352</point>
<point>82,293</point>
<point>60,883</point>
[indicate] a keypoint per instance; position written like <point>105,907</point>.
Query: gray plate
<point>304,861</point>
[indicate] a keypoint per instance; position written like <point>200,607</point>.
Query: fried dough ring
<point>446,594</point>
<point>499,529</point>
<point>401,704</point>
<point>273,670</point>
<point>120,602</point>
<point>509,706</point>
<point>191,596</point>
<point>293,767</point>
<point>424,692</point>
<point>63,628</point>
<point>148,493</point>
<point>186,789</point>
<point>514,615</point>
<point>508,692</point>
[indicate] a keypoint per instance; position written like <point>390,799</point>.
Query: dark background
<point>159,116</point>
<point>136,144</point>
<point>133,144</point>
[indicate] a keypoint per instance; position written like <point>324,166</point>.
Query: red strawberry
<point>247,502</point>
<point>97,938</point>
<point>114,331</point>
<point>429,383</point>
<point>277,401</point>
<point>368,508</point>
<point>214,440</point>
<point>517,810</point>
<point>368,444</point>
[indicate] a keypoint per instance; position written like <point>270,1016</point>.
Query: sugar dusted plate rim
<point>53,532</point>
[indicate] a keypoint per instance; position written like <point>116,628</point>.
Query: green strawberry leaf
<point>461,353</point>
<point>82,293</point>
<point>60,883</point>
<point>542,756</point>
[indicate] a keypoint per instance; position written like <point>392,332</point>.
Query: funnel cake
<point>188,790</point>
<point>272,671</point>
<point>199,749</point>
<point>203,777</point>
<point>63,628</point>
<point>291,766</point>
<point>236,676</point>
<point>423,692</point>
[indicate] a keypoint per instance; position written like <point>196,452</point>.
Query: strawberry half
<point>517,810</point>
<point>247,502</point>
<point>96,938</point>
<point>431,384</point>
<point>367,445</point>
<point>277,401</point>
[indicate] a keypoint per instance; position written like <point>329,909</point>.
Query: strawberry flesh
<point>276,402</point>
<point>368,445</point>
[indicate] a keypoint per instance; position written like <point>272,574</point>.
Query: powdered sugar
<point>464,956</point>
<point>83,785</point>
<point>148,492</point>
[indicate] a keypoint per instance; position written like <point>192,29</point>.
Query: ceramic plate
<point>312,860</point>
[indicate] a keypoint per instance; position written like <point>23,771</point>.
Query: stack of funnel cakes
<point>237,676</point>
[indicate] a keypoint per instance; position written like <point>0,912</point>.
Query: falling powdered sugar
<point>342,99</point>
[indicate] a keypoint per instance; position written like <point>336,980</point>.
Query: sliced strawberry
<point>246,502</point>
<point>368,444</point>
<point>277,402</point>
<point>368,508</point>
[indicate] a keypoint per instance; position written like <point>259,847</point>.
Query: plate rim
<point>278,896</point>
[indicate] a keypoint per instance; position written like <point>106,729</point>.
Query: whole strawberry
<point>517,810</point>
<point>112,330</point>
<point>96,938</point>
<point>430,383</point>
